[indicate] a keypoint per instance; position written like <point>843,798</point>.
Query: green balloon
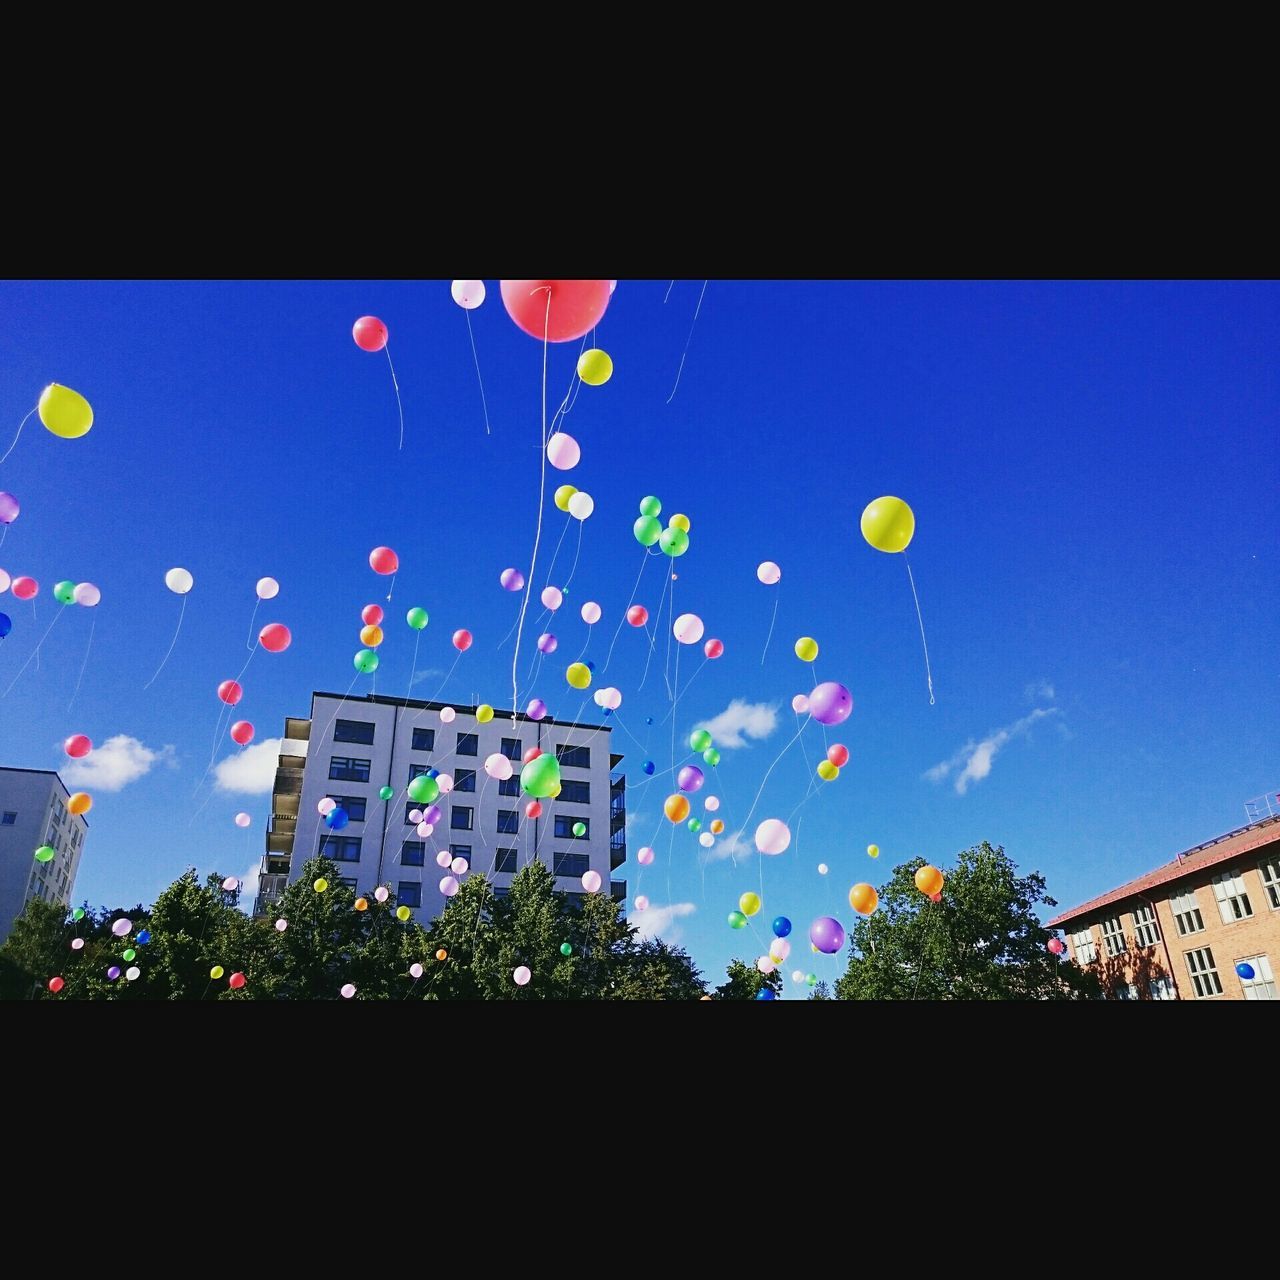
<point>695,824</point>
<point>647,531</point>
<point>650,506</point>
<point>540,778</point>
<point>78,914</point>
<point>699,740</point>
<point>65,592</point>
<point>579,829</point>
<point>423,790</point>
<point>811,980</point>
<point>366,660</point>
<point>675,542</point>
<point>566,949</point>
<point>416,618</point>
<point>711,756</point>
<point>385,793</point>
<point>737,920</point>
<point>45,854</point>
<point>131,954</point>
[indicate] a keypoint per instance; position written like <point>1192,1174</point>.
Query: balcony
<point>280,843</point>
<point>269,890</point>
<point>284,823</point>
<point>286,805</point>
<point>288,781</point>
<point>617,854</point>
<point>618,890</point>
<point>296,729</point>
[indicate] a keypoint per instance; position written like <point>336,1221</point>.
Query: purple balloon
<point>8,508</point>
<point>512,579</point>
<point>432,815</point>
<point>113,973</point>
<point>689,778</point>
<point>827,933</point>
<point>536,710</point>
<point>547,642</point>
<point>830,703</point>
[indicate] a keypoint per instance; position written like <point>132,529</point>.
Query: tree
<point>981,941</point>
<point>465,932</point>
<point>821,992</point>
<point>654,970</point>
<point>745,982</point>
<point>35,951</point>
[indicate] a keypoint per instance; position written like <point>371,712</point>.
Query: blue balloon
<point>591,666</point>
<point>648,719</point>
<point>766,994</point>
<point>433,773</point>
<point>144,936</point>
<point>649,766</point>
<point>608,711</point>
<point>781,927</point>
<point>336,819</point>
<point>6,625</point>
<point>1245,970</point>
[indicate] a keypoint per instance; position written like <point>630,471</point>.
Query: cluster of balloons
<point>929,881</point>
<point>837,758</point>
<point>673,540</point>
<point>371,633</point>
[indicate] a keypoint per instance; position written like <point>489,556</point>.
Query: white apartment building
<point>352,747</point>
<point>33,812</point>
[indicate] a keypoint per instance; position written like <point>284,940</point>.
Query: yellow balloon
<point>873,850</point>
<point>749,904</point>
<point>827,771</point>
<point>595,367</point>
<point>578,675</point>
<point>320,885</point>
<point>403,913</point>
<point>676,808</point>
<point>371,637</point>
<point>362,904</point>
<point>888,524</point>
<point>65,412</point>
<point>484,713</point>
<point>81,802</point>
<point>806,648</point>
<point>680,522</point>
<point>555,793</point>
<point>562,496</point>
<point>717,826</point>
<point>216,972</point>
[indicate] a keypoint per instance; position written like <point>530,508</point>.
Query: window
<point>1186,914</point>
<point>1269,871</point>
<point>511,786</point>
<point>9,819</point>
<point>574,757</point>
<point>348,769</point>
<point>1233,901</point>
<point>1113,936</point>
<point>1162,989</point>
<point>1262,985</point>
<point>424,740</point>
<point>417,770</point>
<point>576,900</point>
<point>464,780</point>
<point>354,805</point>
<point>354,731</point>
<point>504,860</point>
<point>572,791</point>
<point>508,822</point>
<point>1204,973</point>
<point>460,818</point>
<point>1086,948</point>
<point>1124,991</point>
<point>347,882</point>
<point>1145,927</point>
<point>409,894</point>
<point>512,748</point>
<point>340,848</point>
<point>565,822</point>
<point>501,893</point>
<point>468,744</point>
<point>413,853</point>
<point>572,864</point>
<point>460,851</point>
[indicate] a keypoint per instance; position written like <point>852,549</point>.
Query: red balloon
<point>77,745</point>
<point>25,588</point>
<point>533,809</point>
<point>713,648</point>
<point>1057,946</point>
<point>383,560</point>
<point>275,637</point>
<point>230,691</point>
<point>371,615</point>
<point>576,306</point>
<point>370,333</point>
<point>462,641</point>
<point>838,755</point>
<point>56,985</point>
<point>935,897</point>
<point>242,732</point>
<point>236,981</point>
<point>532,754</point>
<point>637,615</point>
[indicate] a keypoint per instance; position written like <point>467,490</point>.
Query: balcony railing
<point>617,890</point>
<point>288,782</point>
<point>269,890</point>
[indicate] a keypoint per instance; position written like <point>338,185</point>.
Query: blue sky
<point>1093,468</point>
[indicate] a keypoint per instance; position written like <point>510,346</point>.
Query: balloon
<point>416,618</point>
<point>749,904</point>
<point>64,592</point>
<point>447,715</point>
<point>1244,969</point>
<point>533,809</point>
<point>46,853</point>
<point>637,615</point>
<point>423,789</point>
<point>25,588</point>
<point>555,310</point>
<point>929,880</point>
<point>78,914</point>
<point>713,648</point>
<point>6,625</point>
<point>362,904</point>
<point>645,856</point>
<point>577,675</point>
<point>765,993</point>
<point>827,934</point>
<point>695,824</point>
<point>827,771</point>
<point>936,897</point>
<point>690,778</point>
<point>649,766</point>
<point>267,588</point>
<point>459,866</point>
<point>87,595</point>
<point>281,925</point>
<point>468,294</point>
<point>864,899</point>
<point>9,508</point>
<point>382,893</point>
<point>717,826</point>
<point>540,778</point>
<point>590,613</point>
<point>699,740</point>
<point>77,746</point>
<point>579,830</point>
<point>562,495</point>
<point>242,732</point>
<point>121,927</point>
<point>484,713</point>
<point>591,881</point>
<point>581,505</point>
<point>336,819</point>
<point>838,755</point>
<point>511,580</point>
<point>216,972</point>
<point>370,333</point>
<point>65,412</point>
<point>536,710</point>
<point>1057,947</point>
<point>888,524</point>
<point>77,944</point>
<point>130,954</point>
<point>737,920</point>
<point>566,949</point>
<point>5,580</point>
<point>371,615</point>
<point>706,839</point>
<point>327,805</point>
<point>230,885</point>
<point>552,598</point>
<point>415,971</point>
<point>595,367</point>
<point>348,990</point>
<point>243,819</point>
<point>873,850</point>
<point>113,973</point>
<point>822,868</point>
<point>56,985</point>
<point>371,637</point>
<point>424,829</point>
<point>383,560</point>
<point>230,692</point>
<point>781,927</point>
<point>806,648</point>
<point>365,661</point>
<point>80,802</point>
<point>403,913</point>
<point>275,637</point>
<point>768,572</point>
<point>609,698</point>
<point>442,955</point>
<point>179,581</point>
<point>650,506</point>
<point>462,640</point>
<point>711,757</point>
<point>521,975</point>
<point>830,703</point>
<point>320,885</point>
<point>676,808</point>
<point>680,522</point>
<point>711,803</point>
<point>498,766</point>
<point>773,836</point>
<point>688,628</point>
<point>675,542</point>
<point>564,453</point>
<point>647,530</point>
<point>531,754</point>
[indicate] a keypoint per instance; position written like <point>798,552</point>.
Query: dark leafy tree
<point>745,982</point>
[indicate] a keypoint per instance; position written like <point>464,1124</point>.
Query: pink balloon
<point>642,903</point>
<point>552,598</point>
<point>381,893</point>
<point>415,971</point>
<point>765,965</point>
<point>87,594</point>
<point>424,829</point>
<point>444,780</point>
<point>459,866</point>
<point>231,884</point>
<point>773,836</point>
<point>370,333</point>
<point>591,613</point>
<point>275,637</point>
<point>371,615</point>
<point>383,560</point>
<point>637,615</point>
<point>1056,946</point>
<point>348,990</point>
<point>243,819</point>
<point>711,803</point>
<point>799,704</point>
<point>442,858</point>
<point>713,648</point>
<point>591,881</point>
<point>25,588</point>
<point>77,746</point>
<point>121,927</point>
<point>326,806</point>
<point>462,640</point>
<point>5,580</point>
<point>688,628</point>
<point>522,975</point>
<point>563,452</point>
<point>498,766</point>
<point>449,886</point>
<point>645,856</point>
<point>447,715</point>
<point>415,816</point>
<point>281,925</point>
<point>242,732</point>
<point>230,692</point>
<point>768,573</point>
<point>511,579</point>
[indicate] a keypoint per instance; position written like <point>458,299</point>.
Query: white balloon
<point>86,593</point>
<point>581,505</point>
<point>591,881</point>
<point>706,839</point>
<point>498,766</point>
<point>5,580</point>
<point>459,866</point>
<point>590,613</point>
<point>768,573</point>
<point>447,714</point>
<point>468,294</point>
<point>268,588</point>
<point>688,628</point>
<point>179,581</point>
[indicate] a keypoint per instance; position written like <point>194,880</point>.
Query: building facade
<point>350,748</point>
<point>33,812</point>
<point>1183,931</point>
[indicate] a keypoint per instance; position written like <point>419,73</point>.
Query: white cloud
<point>660,920</point>
<point>974,759</point>
<point>114,764</point>
<point>1039,691</point>
<point>251,772</point>
<point>730,846</point>
<point>741,720</point>
<point>425,674</point>
<point>249,888</point>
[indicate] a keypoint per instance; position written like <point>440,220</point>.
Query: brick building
<point>1179,932</point>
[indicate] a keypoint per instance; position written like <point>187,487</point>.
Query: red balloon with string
<point>370,333</point>
<point>562,310</point>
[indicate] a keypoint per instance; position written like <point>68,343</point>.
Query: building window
<point>1269,871</point>
<point>572,864</point>
<point>1233,901</point>
<point>354,806</point>
<point>461,851</point>
<point>409,894</point>
<point>574,757</point>
<point>573,791</point>
<point>347,882</point>
<point>413,853</point>
<point>464,780</point>
<point>512,748</point>
<point>1113,936</point>
<point>1186,914</point>
<point>354,731</point>
<point>424,740</point>
<point>340,848</point>
<point>1124,991</point>
<point>9,819</point>
<point>1086,948</point>
<point>508,822</point>
<point>505,860</point>
<point>417,770</point>
<point>1145,928</point>
<point>576,900</point>
<point>1262,985</point>
<point>460,818</point>
<point>565,822</point>
<point>348,769</point>
<point>511,786</point>
<point>468,744</point>
<point>1204,973</point>
<point>501,893</point>
<point>1162,989</point>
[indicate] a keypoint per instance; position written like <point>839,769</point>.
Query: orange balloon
<point>929,880</point>
<point>442,954</point>
<point>371,637</point>
<point>81,802</point>
<point>362,904</point>
<point>717,826</point>
<point>863,898</point>
<point>676,808</point>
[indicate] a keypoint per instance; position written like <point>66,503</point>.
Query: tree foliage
<point>745,982</point>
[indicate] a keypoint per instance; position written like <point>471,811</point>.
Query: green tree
<point>654,970</point>
<point>982,941</point>
<point>603,948</point>
<point>465,932</point>
<point>745,982</point>
<point>821,992</point>
<point>35,951</point>
<point>530,924</point>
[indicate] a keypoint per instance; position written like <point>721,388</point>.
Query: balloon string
<point>928,673</point>
<point>250,642</point>
<point>657,618</point>
<point>671,611</point>
<point>85,663</point>
<point>644,560</point>
<point>16,438</point>
<point>484,404</point>
<point>577,555</point>
<point>671,286</point>
<point>688,340</point>
<point>391,588</point>
<point>220,728</point>
<point>770,635</point>
<point>4,533</point>
<point>687,687</point>
<point>396,385</point>
<point>37,622</point>
<point>747,820</point>
<point>924,942</point>
<point>34,651</point>
<point>160,668</point>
